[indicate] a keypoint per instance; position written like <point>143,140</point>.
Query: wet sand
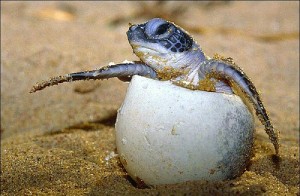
<point>60,140</point>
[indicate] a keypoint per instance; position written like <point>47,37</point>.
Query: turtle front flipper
<point>227,71</point>
<point>122,71</point>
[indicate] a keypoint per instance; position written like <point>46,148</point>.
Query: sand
<point>61,141</point>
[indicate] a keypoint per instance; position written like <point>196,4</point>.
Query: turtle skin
<point>168,52</point>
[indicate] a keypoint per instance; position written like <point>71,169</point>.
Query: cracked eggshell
<point>167,134</point>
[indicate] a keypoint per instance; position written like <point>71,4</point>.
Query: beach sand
<point>61,141</point>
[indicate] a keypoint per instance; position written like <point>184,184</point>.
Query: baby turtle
<point>167,52</point>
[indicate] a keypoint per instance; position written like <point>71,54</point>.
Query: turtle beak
<point>135,33</point>
<point>132,27</point>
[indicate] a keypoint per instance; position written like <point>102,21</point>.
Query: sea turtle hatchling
<point>167,52</point>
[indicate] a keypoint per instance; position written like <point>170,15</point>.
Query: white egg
<point>167,134</point>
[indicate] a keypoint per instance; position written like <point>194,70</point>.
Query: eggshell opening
<point>167,134</point>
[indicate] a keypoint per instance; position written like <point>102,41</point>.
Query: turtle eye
<point>162,29</point>
<point>157,29</point>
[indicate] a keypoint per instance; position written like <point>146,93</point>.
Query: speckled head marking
<point>160,43</point>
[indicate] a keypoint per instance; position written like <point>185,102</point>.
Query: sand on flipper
<point>61,140</point>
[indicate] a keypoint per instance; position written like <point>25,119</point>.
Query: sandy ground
<point>58,141</point>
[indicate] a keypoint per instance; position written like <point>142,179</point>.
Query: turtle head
<point>160,43</point>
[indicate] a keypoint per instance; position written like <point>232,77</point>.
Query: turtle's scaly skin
<point>167,52</point>
<point>123,71</point>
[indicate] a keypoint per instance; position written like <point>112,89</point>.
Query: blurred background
<point>44,39</point>
<point>61,140</point>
